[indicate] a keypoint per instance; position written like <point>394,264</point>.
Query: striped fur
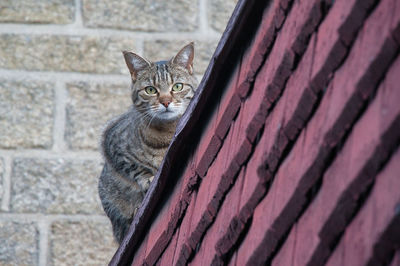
<point>135,143</point>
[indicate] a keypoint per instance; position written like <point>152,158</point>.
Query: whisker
<point>151,121</point>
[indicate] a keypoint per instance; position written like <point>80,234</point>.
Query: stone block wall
<point>62,76</point>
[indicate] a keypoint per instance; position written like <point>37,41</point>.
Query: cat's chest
<point>153,148</point>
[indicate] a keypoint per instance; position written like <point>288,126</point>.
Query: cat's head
<point>162,90</point>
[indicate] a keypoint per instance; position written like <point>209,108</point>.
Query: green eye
<point>150,90</point>
<point>177,87</point>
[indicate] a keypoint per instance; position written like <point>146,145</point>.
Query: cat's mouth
<point>167,115</point>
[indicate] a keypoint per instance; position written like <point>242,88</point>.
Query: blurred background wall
<point>62,76</point>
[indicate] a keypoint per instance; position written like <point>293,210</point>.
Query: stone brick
<point>166,49</point>
<point>64,53</point>
<point>89,107</point>
<point>55,186</point>
<point>219,13</point>
<point>142,15</point>
<point>19,243</point>
<point>81,243</point>
<point>32,11</point>
<point>26,114</point>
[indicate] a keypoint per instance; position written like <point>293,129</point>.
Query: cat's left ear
<point>185,57</point>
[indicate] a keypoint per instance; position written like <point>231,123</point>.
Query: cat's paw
<point>151,178</point>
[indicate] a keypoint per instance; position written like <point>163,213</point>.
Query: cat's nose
<point>166,103</point>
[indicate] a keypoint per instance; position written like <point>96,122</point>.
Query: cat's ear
<point>185,57</point>
<point>135,63</point>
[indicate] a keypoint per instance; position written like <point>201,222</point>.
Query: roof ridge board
<point>242,16</point>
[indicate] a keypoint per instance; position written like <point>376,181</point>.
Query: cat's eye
<point>150,90</point>
<point>177,87</point>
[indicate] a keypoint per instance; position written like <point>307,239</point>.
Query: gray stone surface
<point>1,179</point>
<point>81,243</point>
<point>142,15</point>
<point>58,186</point>
<point>219,12</point>
<point>26,114</point>
<point>19,242</point>
<point>90,105</point>
<point>34,11</point>
<point>166,49</point>
<point>64,53</point>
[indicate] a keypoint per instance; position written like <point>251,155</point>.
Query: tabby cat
<point>135,143</point>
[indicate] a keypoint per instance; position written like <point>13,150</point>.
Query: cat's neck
<point>160,128</point>
<point>156,133</point>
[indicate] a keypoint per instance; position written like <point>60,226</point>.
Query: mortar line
<point>59,117</point>
<point>199,36</point>
<point>203,22</point>
<point>51,154</point>
<point>75,30</point>
<point>5,203</point>
<point>78,14</point>
<point>213,32</point>
<point>63,76</point>
<point>140,46</point>
<point>50,218</point>
<point>68,76</point>
<point>43,241</point>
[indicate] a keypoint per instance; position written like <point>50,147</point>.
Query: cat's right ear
<point>135,63</point>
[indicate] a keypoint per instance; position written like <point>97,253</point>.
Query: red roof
<point>289,153</point>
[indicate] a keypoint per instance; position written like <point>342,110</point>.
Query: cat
<point>135,143</point>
